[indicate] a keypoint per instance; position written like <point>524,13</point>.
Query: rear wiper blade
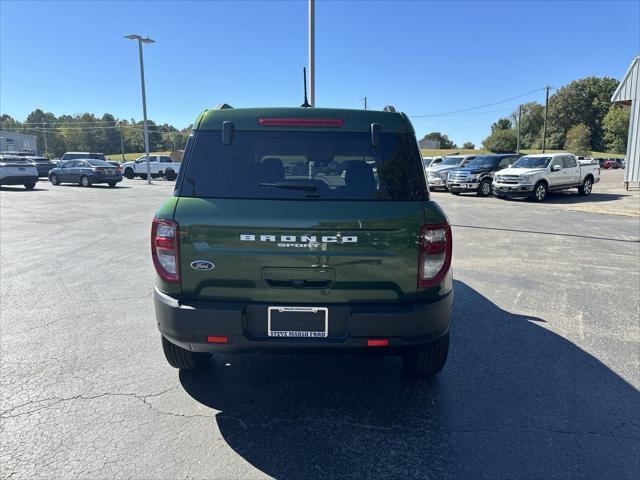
<point>307,187</point>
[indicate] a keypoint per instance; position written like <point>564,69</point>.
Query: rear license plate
<point>300,322</point>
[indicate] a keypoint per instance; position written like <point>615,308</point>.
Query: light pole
<point>121,139</point>
<point>142,40</point>
<point>546,110</point>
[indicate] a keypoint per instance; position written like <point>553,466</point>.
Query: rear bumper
<point>18,180</point>
<point>105,178</point>
<point>406,326</point>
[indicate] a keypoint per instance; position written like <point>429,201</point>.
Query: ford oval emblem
<point>202,265</point>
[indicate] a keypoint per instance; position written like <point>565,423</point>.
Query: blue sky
<point>423,57</point>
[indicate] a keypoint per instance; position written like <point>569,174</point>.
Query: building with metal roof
<point>18,142</point>
<point>628,93</point>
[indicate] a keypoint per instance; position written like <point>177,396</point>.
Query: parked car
<point>477,175</point>
<point>160,165</point>
<point>609,164</point>
<point>259,251</point>
<point>435,161</point>
<point>85,173</point>
<point>535,175</point>
<point>83,156</point>
<point>437,174</point>
<point>43,165</point>
<point>17,170</point>
<point>619,163</point>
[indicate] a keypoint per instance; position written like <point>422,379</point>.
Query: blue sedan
<point>86,173</point>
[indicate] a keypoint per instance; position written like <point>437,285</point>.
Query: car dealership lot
<point>542,379</point>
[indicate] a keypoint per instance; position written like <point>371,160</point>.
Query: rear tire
<point>170,175</point>
<point>143,176</point>
<point>54,179</point>
<point>428,360</point>
<point>183,359</point>
<point>112,184</point>
<point>29,186</point>
<point>484,189</point>
<point>84,181</point>
<point>454,193</point>
<point>587,187</point>
<point>128,173</point>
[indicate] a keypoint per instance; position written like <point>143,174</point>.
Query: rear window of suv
<point>306,165</point>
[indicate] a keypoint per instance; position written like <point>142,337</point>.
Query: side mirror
<point>556,168</point>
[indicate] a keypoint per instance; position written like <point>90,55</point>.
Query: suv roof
<point>354,120</point>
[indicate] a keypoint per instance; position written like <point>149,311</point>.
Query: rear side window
<point>569,162</point>
<point>303,165</point>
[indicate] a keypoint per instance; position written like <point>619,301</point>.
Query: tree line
<point>89,133</point>
<point>581,119</point>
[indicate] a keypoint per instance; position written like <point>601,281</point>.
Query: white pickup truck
<point>536,175</point>
<point>160,165</point>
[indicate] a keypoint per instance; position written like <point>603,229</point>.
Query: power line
<point>479,106</point>
<point>57,129</point>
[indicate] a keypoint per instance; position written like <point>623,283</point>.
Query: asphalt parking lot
<point>542,379</point>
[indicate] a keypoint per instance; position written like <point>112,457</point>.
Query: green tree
<point>585,101</point>
<point>501,141</point>
<point>469,145</point>
<point>531,124</point>
<point>616,128</point>
<point>577,139</point>
<point>501,124</point>
<point>445,142</point>
<point>111,135</point>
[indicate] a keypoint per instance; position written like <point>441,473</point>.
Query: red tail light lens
<point>435,254</point>
<point>165,249</point>
<point>301,122</point>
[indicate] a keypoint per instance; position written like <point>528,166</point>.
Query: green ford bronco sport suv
<point>303,230</point>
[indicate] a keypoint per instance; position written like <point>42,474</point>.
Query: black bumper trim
<point>19,180</point>
<point>405,325</point>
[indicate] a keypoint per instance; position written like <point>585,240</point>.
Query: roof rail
<point>224,106</point>
<point>389,108</point>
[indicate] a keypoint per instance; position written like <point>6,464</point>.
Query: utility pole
<point>312,53</point>
<point>46,148</point>
<point>142,40</point>
<point>365,103</point>
<point>121,141</point>
<point>519,120</point>
<point>546,110</point>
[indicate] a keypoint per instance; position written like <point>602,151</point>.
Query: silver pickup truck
<point>536,175</point>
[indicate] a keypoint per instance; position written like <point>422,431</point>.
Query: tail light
<point>119,169</point>
<point>97,170</point>
<point>435,254</point>
<point>164,249</point>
